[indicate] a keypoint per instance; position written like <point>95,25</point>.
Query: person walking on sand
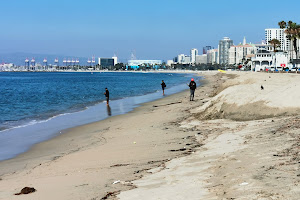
<point>163,85</point>
<point>106,93</point>
<point>193,87</point>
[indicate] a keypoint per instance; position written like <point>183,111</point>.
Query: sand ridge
<point>242,98</point>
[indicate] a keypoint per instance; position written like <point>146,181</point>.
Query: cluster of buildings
<point>258,57</point>
<point>193,58</point>
<point>63,64</point>
<point>6,66</point>
<point>255,56</point>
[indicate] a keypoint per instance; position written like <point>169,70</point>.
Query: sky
<point>152,29</point>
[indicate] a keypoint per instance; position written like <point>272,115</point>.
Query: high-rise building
<point>279,34</point>
<point>194,53</point>
<point>224,46</point>
<point>187,60</point>
<point>213,56</point>
<point>180,58</point>
<point>106,62</point>
<point>201,59</point>
<point>115,59</point>
<point>205,49</point>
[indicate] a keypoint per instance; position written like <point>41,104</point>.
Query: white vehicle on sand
<point>294,69</point>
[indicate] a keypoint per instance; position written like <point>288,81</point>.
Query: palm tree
<point>275,43</point>
<point>282,24</point>
<point>293,33</point>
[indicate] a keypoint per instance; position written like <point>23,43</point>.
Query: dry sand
<point>235,141</point>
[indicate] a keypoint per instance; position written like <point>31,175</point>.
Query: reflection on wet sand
<point>108,110</point>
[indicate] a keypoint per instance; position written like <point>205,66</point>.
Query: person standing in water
<point>193,87</point>
<point>106,93</point>
<point>163,85</point>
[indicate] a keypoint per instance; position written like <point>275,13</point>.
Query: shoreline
<point>105,136</point>
<point>37,148</point>
<point>52,126</point>
<point>126,71</point>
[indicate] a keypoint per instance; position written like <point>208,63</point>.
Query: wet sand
<point>84,162</point>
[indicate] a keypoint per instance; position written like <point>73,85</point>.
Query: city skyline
<point>153,29</point>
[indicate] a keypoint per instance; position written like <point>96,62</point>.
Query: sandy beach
<point>235,141</point>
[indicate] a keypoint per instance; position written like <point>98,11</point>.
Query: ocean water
<point>36,106</point>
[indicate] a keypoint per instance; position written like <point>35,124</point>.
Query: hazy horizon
<point>152,29</point>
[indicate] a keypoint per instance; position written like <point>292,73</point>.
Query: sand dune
<point>243,99</point>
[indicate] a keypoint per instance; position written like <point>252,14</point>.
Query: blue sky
<point>154,29</point>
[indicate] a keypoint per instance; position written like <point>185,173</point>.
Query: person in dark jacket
<point>163,85</point>
<point>193,87</point>
<point>106,93</point>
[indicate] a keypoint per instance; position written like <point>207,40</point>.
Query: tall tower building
<point>224,46</point>
<point>115,59</point>
<point>194,53</point>
<point>212,56</point>
<point>279,34</point>
<point>207,48</point>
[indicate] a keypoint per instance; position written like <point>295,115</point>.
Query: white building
<point>6,67</point>
<point>187,60</point>
<point>262,60</point>
<point>106,62</point>
<point>265,60</point>
<point>238,53</point>
<point>180,58</point>
<point>194,53</point>
<point>213,56</point>
<point>201,59</point>
<point>279,34</point>
<point>263,57</point>
<point>280,59</point>
<point>115,60</point>
<point>183,59</point>
<point>136,63</point>
<point>170,62</point>
<point>263,47</point>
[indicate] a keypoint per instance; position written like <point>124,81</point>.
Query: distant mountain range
<point>19,58</point>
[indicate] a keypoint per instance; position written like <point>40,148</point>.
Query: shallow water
<point>37,106</point>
